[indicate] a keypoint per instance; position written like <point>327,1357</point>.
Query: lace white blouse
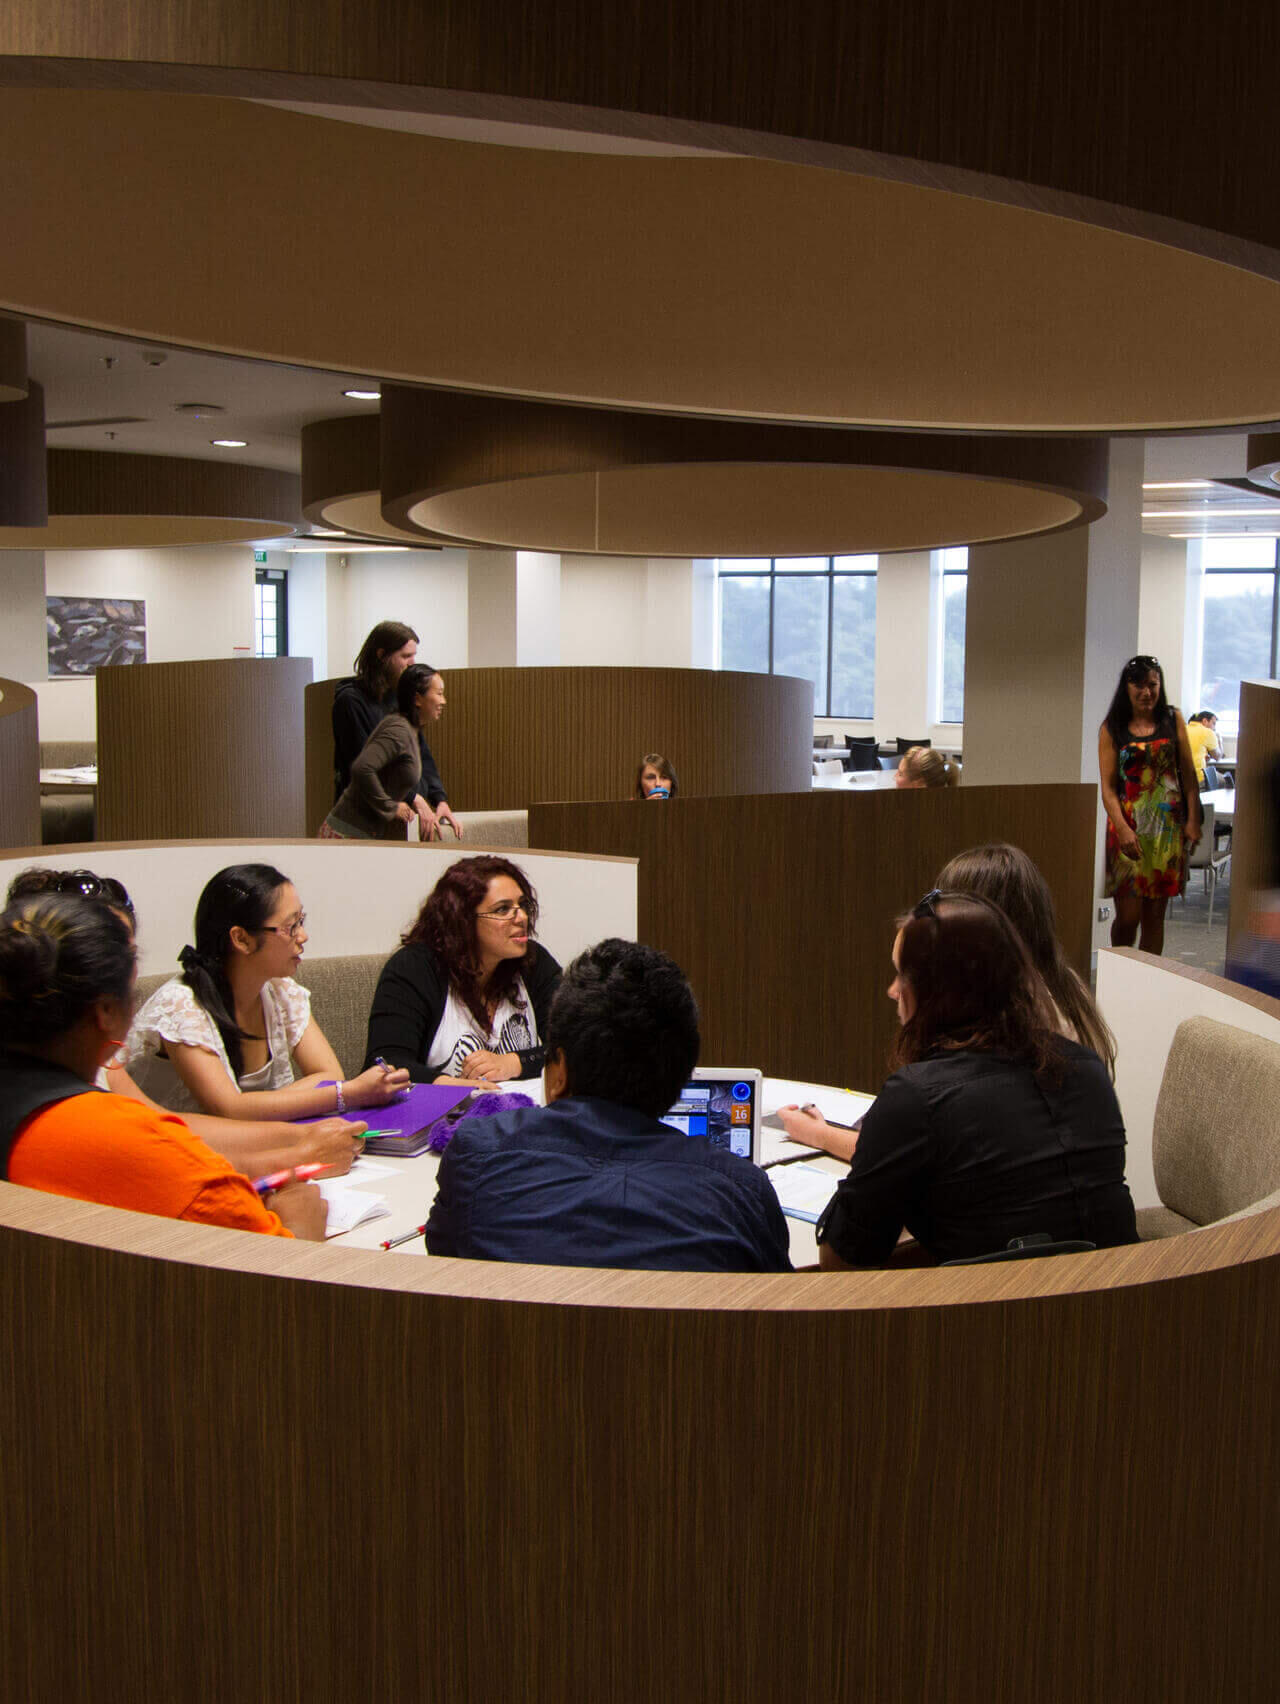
<point>174,1014</point>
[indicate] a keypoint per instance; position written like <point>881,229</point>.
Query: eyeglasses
<point>928,906</point>
<point>507,908</point>
<point>89,886</point>
<point>1146,664</point>
<point>292,930</point>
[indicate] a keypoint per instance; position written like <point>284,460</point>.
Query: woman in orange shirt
<point>67,972</point>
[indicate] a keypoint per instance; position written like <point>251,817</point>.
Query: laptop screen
<point>721,1108</point>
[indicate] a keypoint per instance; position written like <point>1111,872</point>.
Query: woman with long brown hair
<point>993,1125</point>
<point>468,993</point>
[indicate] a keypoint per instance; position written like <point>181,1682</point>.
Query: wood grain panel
<point>202,750</point>
<point>553,477</point>
<point>391,1479</point>
<point>781,909</point>
<point>1255,834</point>
<point>1076,101</point>
<point>513,735</point>
<point>24,500</point>
<point>19,766</point>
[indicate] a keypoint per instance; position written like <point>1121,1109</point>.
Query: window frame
<point>725,570</point>
<point>278,580</point>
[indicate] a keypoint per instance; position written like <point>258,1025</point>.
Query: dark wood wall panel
<point>19,766</point>
<point>202,750</point>
<point>509,736</point>
<point>1076,100</point>
<point>781,909</point>
<point>236,1472</point>
<point>1255,835</point>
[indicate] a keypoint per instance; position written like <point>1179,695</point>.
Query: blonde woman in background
<point>924,767</point>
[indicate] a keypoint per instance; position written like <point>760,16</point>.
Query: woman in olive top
<point>389,765</point>
<point>67,972</point>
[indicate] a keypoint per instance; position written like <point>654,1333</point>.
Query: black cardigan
<point>410,999</point>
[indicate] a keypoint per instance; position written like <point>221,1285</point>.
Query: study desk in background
<point>82,780</point>
<point>1223,801</point>
<point>409,1186</point>
<point>857,781</point>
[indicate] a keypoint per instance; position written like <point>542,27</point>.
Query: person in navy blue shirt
<point>593,1178</point>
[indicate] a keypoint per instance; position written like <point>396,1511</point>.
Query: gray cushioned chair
<point>1216,1138</point>
<point>66,818</point>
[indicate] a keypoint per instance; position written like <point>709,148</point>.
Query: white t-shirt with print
<point>458,1034</point>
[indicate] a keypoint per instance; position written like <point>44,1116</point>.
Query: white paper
<point>349,1207</point>
<point>803,1190</point>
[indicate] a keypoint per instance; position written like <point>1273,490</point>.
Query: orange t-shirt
<point>107,1148</point>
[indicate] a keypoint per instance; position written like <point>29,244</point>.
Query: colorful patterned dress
<point>1150,792</point>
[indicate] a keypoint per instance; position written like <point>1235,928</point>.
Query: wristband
<point>328,1083</point>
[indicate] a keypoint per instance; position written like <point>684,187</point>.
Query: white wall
<point>1162,611</point>
<point>22,632</point>
<point>427,589</point>
<point>604,607</point>
<point>537,609</point>
<point>199,604</point>
<point>308,607</point>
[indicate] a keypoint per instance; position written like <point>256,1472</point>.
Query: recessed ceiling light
<point>363,395</point>
<point>348,549</point>
<point>1177,484</point>
<point>230,443</point>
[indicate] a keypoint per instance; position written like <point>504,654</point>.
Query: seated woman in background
<point>254,1146</point>
<point>363,699</point>
<point>994,1126</point>
<point>224,1035</point>
<point>467,994</point>
<point>66,989</point>
<point>655,778</point>
<point>922,766</point>
<point>389,765</point>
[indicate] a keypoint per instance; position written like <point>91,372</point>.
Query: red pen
<point>277,1180</point>
<point>408,1236</point>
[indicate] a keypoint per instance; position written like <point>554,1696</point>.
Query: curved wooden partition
<point>510,736</point>
<point>201,750</point>
<point>781,909</point>
<point>19,766</point>
<point>238,1468</point>
<point>1255,835</point>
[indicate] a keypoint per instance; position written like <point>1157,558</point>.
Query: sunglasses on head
<point>88,886</point>
<point>928,906</point>
<point>1145,664</point>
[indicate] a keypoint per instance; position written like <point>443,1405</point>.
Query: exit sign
<point>259,556</point>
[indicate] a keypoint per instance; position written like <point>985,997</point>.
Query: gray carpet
<point>1188,936</point>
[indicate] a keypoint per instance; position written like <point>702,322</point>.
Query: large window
<point>1239,632</point>
<point>271,612</point>
<point>812,616</point>
<point>950,673</point>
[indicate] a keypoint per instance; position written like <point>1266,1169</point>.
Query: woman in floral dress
<point>1152,802</point>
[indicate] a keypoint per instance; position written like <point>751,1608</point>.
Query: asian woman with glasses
<point>225,1036</point>
<point>1152,801</point>
<point>467,995</point>
<point>993,1125</point>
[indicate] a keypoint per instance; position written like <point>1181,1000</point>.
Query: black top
<point>356,713</point>
<point>587,1182</point>
<point>28,1085</point>
<point>968,1150</point>
<point>410,999</point>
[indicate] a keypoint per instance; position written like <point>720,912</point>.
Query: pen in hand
<point>291,1174</point>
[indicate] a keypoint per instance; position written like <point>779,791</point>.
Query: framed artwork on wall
<point>85,634</point>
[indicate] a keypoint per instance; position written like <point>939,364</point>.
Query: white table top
<point>857,781</point>
<point>70,780</point>
<point>1223,800</point>
<point>409,1186</point>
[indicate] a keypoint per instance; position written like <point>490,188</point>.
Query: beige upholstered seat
<point>66,818</point>
<point>1216,1139</point>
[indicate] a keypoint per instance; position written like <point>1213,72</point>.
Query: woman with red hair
<point>467,994</point>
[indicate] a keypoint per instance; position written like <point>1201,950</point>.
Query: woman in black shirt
<point>994,1126</point>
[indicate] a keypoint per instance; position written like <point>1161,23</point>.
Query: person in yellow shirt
<point>1202,733</point>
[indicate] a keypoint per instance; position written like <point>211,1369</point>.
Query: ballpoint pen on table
<point>404,1237</point>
